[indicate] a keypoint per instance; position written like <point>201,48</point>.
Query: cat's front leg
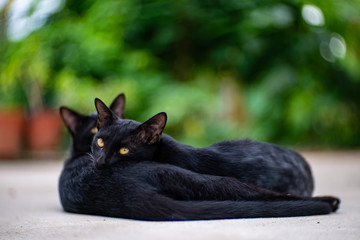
<point>156,206</point>
<point>183,184</point>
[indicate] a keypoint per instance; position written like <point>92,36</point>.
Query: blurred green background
<point>279,71</point>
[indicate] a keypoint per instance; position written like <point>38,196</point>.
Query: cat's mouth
<point>100,163</point>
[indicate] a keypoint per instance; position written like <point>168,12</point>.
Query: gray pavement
<point>30,209</point>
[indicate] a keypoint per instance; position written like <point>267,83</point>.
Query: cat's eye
<point>94,130</point>
<point>100,142</point>
<point>124,150</point>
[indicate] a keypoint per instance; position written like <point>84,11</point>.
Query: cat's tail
<point>203,210</point>
<point>258,209</point>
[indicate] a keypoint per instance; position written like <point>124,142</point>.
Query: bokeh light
<point>313,15</point>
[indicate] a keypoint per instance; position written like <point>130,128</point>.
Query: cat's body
<point>266,165</point>
<point>155,191</point>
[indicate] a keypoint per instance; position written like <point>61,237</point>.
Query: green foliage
<point>220,69</point>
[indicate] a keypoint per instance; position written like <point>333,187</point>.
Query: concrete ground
<point>30,209</point>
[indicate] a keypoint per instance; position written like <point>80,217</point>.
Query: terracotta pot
<point>43,131</point>
<point>11,132</point>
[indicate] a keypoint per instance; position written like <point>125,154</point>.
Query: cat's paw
<point>333,201</point>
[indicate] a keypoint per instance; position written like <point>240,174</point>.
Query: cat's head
<point>83,127</point>
<point>123,140</point>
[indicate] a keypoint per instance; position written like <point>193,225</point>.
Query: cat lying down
<point>138,187</point>
<point>264,164</point>
<point>156,191</point>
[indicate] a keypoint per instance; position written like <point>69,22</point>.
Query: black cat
<point>156,191</point>
<point>83,127</point>
<point>266,165</point>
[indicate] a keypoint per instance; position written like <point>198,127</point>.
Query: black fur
<point>154,191</point>
<point>266,165</point>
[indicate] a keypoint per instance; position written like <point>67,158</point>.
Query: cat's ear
<point>118,105</point>
<point>151,130</point>
<point>71,119</point>
<point>105,116</point>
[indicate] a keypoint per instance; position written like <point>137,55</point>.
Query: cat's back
<point>250,150</point>
<point>268,165</point>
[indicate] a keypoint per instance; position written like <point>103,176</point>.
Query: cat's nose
<point>100,163</point>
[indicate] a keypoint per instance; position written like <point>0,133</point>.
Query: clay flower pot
<point>44,131</point>
<point>11,132</point>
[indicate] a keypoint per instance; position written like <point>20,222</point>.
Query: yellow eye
<point>124,150</point>
<point>94,130</point>
<point>100,142</point>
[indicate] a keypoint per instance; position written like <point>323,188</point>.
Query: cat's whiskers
<point>90,154</point>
